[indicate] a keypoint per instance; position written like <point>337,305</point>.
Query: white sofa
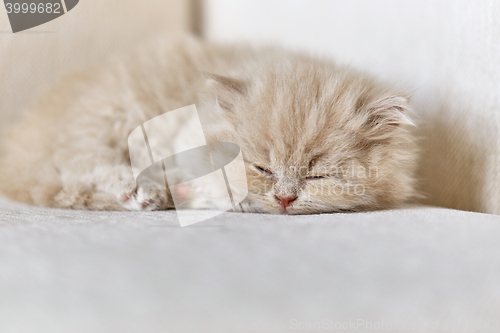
<point>75,271</point>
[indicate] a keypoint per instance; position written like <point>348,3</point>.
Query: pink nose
<point>285,201</point>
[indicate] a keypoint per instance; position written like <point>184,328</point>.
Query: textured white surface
<point>446,52</point>
<point>74,271</point>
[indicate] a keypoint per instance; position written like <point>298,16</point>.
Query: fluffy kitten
<point>315,137</point>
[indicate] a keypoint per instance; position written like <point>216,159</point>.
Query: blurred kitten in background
<point>315,137</point>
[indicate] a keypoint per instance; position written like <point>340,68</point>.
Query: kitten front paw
<point>141,199</point>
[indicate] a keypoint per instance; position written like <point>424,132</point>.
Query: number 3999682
<point>32,8</point>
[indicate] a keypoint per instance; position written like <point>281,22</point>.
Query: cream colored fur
<point>326,136</point>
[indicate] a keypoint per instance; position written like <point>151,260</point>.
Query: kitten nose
<point>285,201</point>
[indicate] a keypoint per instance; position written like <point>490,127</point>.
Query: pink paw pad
<point>181,192</point>
<point>126,197</point>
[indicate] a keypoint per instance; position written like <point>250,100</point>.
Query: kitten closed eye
<point>263,170</point>
<point>315,177</point>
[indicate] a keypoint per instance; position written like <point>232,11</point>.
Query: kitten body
<point>315,137</point>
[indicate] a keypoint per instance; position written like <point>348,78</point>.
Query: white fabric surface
<point>77,271</point>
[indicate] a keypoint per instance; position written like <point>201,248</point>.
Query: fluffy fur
<point>315,137</point>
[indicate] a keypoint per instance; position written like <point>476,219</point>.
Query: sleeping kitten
<point>315,137</point>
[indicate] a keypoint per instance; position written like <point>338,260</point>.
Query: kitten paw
<point>144,199</point>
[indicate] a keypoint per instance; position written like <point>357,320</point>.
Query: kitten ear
<point>384,115</point>
<point>226,90</point>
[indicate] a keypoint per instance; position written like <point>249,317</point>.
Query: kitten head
<point>315,138</point>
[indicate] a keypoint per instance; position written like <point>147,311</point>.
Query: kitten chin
<point>315,137</point>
